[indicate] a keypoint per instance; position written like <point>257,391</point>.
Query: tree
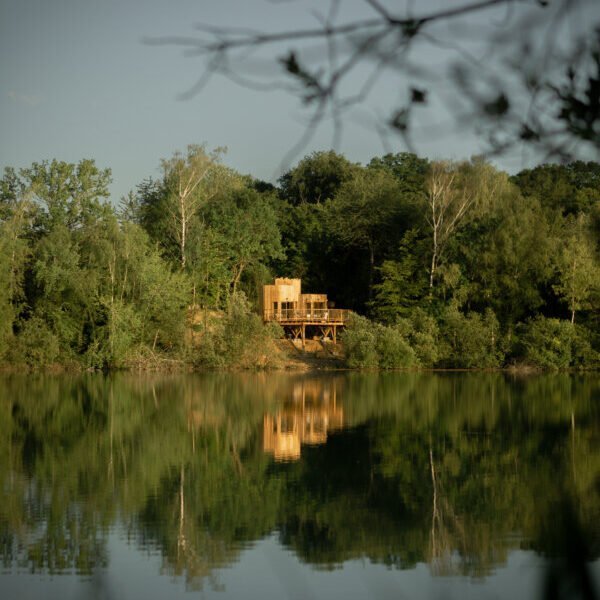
<point>570,188</point>
<point>402,284</point>
<point>504,253</point>
<point>63,298</point>
<point>577,266</point>
<point>449,198</point>
<point>137,303</point>
<point>315,179</point>
<point>190,180</point>
<point>208,265</point>
<point>150,208</point>
<point>367,207</point>
<point>48,208</point>
<point>409,169</point>
<point>247,224</point>
<point>69,194</point>
<point>78,284</point>
<point>458,194</point>
<point>15,226</point>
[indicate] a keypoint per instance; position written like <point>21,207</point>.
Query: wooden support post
<point>325,332</point>
<point>303,336</point>
<point>334,335</point>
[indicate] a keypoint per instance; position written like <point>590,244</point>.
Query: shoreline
<point>286,357</point>
<point>302,365</point>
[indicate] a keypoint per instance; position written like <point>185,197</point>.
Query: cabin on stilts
<point>298,313</point>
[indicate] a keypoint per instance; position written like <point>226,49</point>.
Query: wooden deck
<point>316,316</point>
<point>295,321</point>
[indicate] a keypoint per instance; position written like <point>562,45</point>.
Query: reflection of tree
<point>441,543</point>
<point>450,470</point>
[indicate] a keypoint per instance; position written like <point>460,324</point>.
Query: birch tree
<point>450,195</point>
<point>578,271</point>
<point>192,180</point>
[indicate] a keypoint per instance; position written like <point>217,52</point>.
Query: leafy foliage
<point>458,264</point>
<point>237,338</point>
<point>556,344</point>
<point>473,339</point>
<point>316,179</point>
<point>547,342</point>
<point>371,345</point>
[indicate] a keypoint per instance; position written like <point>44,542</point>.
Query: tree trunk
<point>371,267</point>
<point>181,541</point>
<point>434,257</point>
<point>183,232</point>
<point>434,509</point>
<point>237,277</point>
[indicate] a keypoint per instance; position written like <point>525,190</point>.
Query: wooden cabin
<point>285,303</point>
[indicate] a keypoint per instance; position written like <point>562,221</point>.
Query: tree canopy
<point>457,263</point>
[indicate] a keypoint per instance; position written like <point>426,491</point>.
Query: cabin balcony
<point>307,316</point>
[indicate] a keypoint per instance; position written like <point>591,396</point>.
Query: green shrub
<point>582,351</point>
<point>238,338</point>
<point>422,332</point>
<point>546,343</point>
<point>274,330</point>
<point>360,343</point>
<point>37,345</point>
<point>392,349</point>
<point>211,350</point>
<point>473,339</point>
<point>370,345</point>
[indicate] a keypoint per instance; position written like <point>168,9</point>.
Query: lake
<point>346,485</point>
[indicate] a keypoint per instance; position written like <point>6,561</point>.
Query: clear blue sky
<point>79,82</point>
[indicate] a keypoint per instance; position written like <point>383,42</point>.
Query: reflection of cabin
<point>285,303</point>
<point>311,414</point>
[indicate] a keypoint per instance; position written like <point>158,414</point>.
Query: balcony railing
<point>334,316</point>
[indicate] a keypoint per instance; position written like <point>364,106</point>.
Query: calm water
<point>299,486</point>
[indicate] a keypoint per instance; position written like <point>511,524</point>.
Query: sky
<point>80,80</point>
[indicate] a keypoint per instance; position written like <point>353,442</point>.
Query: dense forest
<point>446,264</point>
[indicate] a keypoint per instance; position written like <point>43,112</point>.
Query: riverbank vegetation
<point>454,264</point>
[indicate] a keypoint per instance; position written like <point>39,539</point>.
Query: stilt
<point>325,332</point>
<point>334,335</point>
<point>303,336</point>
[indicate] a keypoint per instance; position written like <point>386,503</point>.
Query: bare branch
<point>380,9</point>
<point>506,90</point>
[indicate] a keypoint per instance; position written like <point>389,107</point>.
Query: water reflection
<point>311,411</point>
<point>453,471</point>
